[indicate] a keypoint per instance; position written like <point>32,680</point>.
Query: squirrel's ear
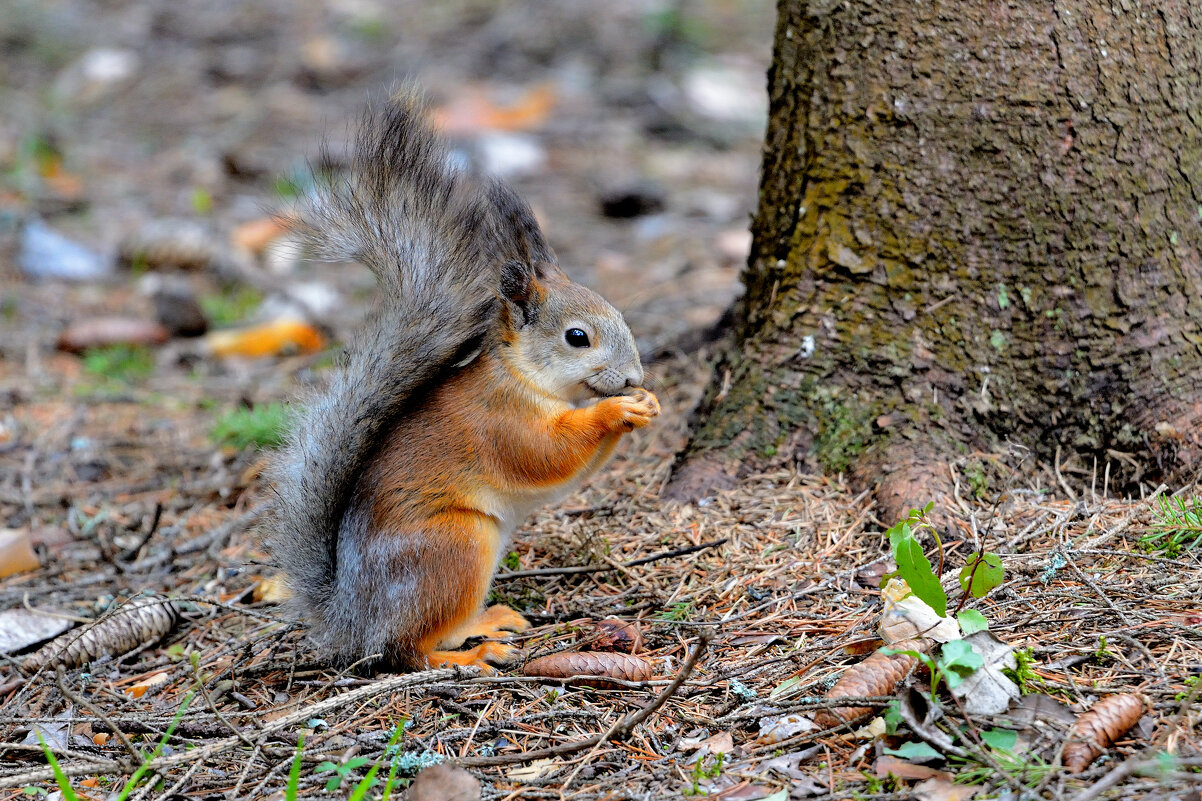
<point>521,291</point>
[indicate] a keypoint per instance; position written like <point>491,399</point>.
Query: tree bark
<point>978,222</point>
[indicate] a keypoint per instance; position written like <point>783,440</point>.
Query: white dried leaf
<point>21,628</point>
<point>907,616</point>
<point>988,691</point>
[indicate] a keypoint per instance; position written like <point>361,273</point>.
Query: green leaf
<point>971,621</point>
<point>914,567</point>
<point>892,717</point>
<point>334,782</point>
<point>294,773</point>
<point>356,763</point>
<point>958,660</point>
<point>325,767</point>
<point>914,751</point>
<point>988,575</point>
<point>1000,739</point>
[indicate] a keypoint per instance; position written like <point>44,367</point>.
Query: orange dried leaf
<point>100,738</point>
<point>256,235</point>
<point>139,689</point>
<point>626,667</point>
<point>877,675</point>
<point>16,552</point>
<point>273,590</point>
<point>475,111</point>
<point>1095,731</point>
<point>276,338</point>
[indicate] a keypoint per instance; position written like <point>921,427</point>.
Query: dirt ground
<point>157,135</point>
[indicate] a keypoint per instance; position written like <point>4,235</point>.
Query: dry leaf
<point>16,552</point>
<point>941,789</point>
<point>569,665</point>
<point>273,590</point>
<point>475,111</point>
<point>988,691</point>
<point>99,332</point>
<point>141,622</point>
<point>283,337</point>
<point>153,680</point>
<point>256,235</point>
<point>618,635</point>
<point>21,628</point>
<point>1095,731</point>
<point>100,738</point>
<point>907,616</point>
<point>531,770</point>
<point>774,730</point>
<point>876,675</point>
<point>444,783</point>
<point>890,765</point>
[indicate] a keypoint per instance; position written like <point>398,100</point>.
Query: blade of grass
<point>64,784</point>
<point>294,772</point>
<point>367,781</point>
<point>137,777</point>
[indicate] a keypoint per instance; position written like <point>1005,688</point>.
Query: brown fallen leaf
<point>273,590</point>
<point>16,552</point>
<point>570,665</point>
<point>876,675</point>
<point>153,680</point>
<point>474,111</point>
<point>1095,731</point>
<point>99,332</point>
<point>276,338</point>
<point>444,783</point>
<point>892,766</point>
<point>137,623</point>
<point>941,789</point>
<point>618,635</point>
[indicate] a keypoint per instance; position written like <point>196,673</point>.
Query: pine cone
<point>1095,731</point>
<point>141,622</point>
<point>876,675</point>
<point>591,663</point>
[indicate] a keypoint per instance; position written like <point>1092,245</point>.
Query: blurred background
<point>144,145</point>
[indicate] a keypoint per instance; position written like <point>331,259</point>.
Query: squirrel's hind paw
<point>485,655</point>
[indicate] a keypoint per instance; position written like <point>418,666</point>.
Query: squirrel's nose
<point>635,380</point>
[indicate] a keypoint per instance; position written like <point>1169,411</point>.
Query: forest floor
<point>158,136</point>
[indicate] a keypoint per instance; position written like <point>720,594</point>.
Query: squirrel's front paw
<point>637,408</point>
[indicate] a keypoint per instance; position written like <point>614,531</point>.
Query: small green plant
<point>230,306</point>
<point>1102,654</point>
<point>1024,768</point>
<point>681,610</point>
<point>340,771</point>
<point>701,773</point>
<point>264,426</point>
<point>1024,674</point>
<point>512,561</point>
<point>1190,683</point>
<point>982,572</point>
<point>294,772</point>
<point>1178,526</point>
<point>122,363</point>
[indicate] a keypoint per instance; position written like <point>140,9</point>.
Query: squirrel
<point>485,385</point>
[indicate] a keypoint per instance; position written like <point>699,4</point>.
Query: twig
<point>205,752</point>
<point>578,569</point>
<point>61,679</point>
<point>623,726</point>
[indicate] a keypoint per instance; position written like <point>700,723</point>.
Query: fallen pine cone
<point>1095,731</point>
<point>569,665</point>
<point>876,675</point>
<point>141,622</point>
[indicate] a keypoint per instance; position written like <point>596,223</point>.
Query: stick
<point>622,727</point>
<point>578,569</point>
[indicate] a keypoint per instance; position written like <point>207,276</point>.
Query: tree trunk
<point>978,222</point>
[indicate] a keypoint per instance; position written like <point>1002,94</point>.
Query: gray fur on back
<point>436,239</point>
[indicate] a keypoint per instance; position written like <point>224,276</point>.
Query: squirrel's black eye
<point>576,338</point>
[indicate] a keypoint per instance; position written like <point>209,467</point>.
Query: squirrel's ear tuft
<point>520,289</point>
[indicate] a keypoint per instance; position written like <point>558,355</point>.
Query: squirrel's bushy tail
<point>436,239</point>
